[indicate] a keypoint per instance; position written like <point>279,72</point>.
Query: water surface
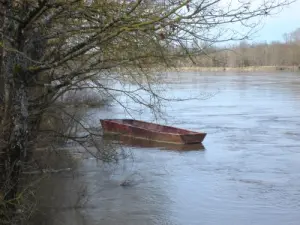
<point>249,172</point>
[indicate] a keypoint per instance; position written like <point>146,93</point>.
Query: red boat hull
<point>151,131</point>
<point>146,143</point>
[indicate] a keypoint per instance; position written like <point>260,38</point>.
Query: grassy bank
<point>239,69</point>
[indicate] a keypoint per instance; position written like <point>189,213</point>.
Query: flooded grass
<point>84,98</point>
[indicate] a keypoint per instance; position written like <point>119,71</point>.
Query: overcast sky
<point>275,26</point>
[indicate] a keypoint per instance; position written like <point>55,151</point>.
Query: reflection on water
<point>145,143</point>
<point>248,174</point>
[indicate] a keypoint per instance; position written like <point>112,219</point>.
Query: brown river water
<point>248,173</point>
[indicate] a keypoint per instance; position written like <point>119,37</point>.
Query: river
<point>248,173</point>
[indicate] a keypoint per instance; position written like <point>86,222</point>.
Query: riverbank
<point>238,69</point>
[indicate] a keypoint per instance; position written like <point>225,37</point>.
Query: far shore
<point>238,69</point>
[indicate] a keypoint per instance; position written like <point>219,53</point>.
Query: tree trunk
<point>14,153</point>
<point>3,22</point>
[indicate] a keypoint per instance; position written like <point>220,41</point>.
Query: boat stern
<point>193,138</point>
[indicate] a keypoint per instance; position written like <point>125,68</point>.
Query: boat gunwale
<point>191,133</point>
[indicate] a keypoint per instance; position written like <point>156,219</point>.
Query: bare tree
<point>49,47</point>
<point>276,55</point>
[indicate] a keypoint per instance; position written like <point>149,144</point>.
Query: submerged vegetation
<point>53,48</point>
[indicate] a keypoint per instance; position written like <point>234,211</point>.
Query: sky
<point>275,26</point>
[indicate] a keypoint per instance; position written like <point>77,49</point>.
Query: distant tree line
<point>244,54</point>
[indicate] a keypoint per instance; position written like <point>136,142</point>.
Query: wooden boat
<point>151,131</point>
<point>150,144</point>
